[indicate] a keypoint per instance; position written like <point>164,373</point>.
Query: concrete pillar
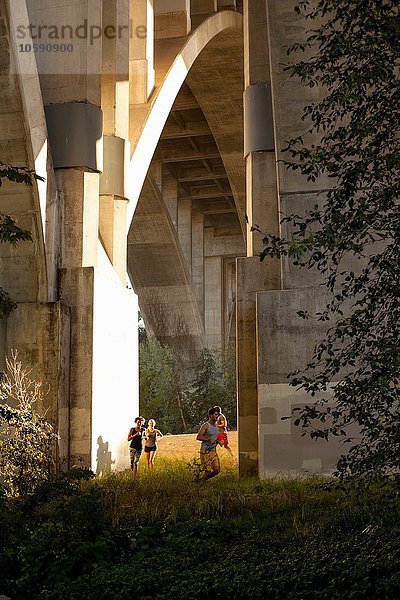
<point>252,275</point>
<point>262,209</point>
<point>141,51</point>
<point>41,333</point>
<point>80,210</point>
<point>115,105</point>
<point>71,90</point>
<point>170,197</point>
<point>171,18</point>
<point>198,259</point>
<point>68,76</point>
<point>262,197</point>
<point>79,256</point>
<point>114,194</point>
<point>112,230</point>
<point>115,69</point>
<point>185,230</point>
<point>229,292</point>
<point>213,285</point>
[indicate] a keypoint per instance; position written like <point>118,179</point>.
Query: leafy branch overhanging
<point>353,56</point>
<point>9,230</point>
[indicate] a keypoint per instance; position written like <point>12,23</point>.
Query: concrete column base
<point>40,332</point>
<point>252,276</point>
<point>76,290</point>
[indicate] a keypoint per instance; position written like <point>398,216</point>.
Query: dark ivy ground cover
<point>66,544</point>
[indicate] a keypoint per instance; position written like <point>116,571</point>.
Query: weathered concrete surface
<point>252,276</point>
<point>40,333</point>
<point>285,343</point>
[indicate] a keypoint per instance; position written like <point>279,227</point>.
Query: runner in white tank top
<point>207,435</point>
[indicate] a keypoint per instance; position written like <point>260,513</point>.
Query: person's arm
<point>159,434</point>
<point>131,435</point>
<point>201,436</point>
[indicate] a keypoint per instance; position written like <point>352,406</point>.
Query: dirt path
<point>186,446</point>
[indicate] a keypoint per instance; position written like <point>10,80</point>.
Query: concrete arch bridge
<point>134,112</point>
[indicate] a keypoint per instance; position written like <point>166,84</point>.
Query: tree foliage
<point>28,442</point>
<point>161,393</point>
<point>179,401</point>
<point>353,55</point>
<point>213,383</point>
<point>9,230</point>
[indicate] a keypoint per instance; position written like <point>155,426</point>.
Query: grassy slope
<point>164,536</point>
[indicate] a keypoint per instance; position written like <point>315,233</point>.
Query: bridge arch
<point>172,291</point>
<point>210,35</point>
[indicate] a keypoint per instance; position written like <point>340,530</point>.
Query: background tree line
<point>180,403</point>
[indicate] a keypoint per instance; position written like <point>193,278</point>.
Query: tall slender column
<point>115,103</point>
<point>185,229</point>
<point>213,285</point>
<point>262,196</point>
<point>262,210</point>
<point>170,197</point>
<point>198,259</point>
<point>141,51</point>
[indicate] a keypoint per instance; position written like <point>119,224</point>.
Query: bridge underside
<point>141,141</point>
<point>186,232</point>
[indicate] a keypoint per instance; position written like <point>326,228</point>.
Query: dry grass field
<point>186,447</point>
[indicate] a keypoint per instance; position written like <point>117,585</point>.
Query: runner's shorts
<point>150,448</point>
<point>209,460</point>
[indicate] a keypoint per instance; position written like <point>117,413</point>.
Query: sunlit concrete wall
<point>115,398</point>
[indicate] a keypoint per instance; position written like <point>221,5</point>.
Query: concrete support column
<point>115,71</point>
<point>80,217</point>
<point>141,51</point>
<point>171,18</point>
<point>68,76</point>
<point>80,211</point>
<point>41,333</point>
<point>115,104</point>
<point>213,286</point>
<point>112,228</point>
<point>170,197</point>
<point>262,209</point>
<point>71,90</point>
<point>262,196</point>
<point>198,259</point>
<point>185,230</point>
